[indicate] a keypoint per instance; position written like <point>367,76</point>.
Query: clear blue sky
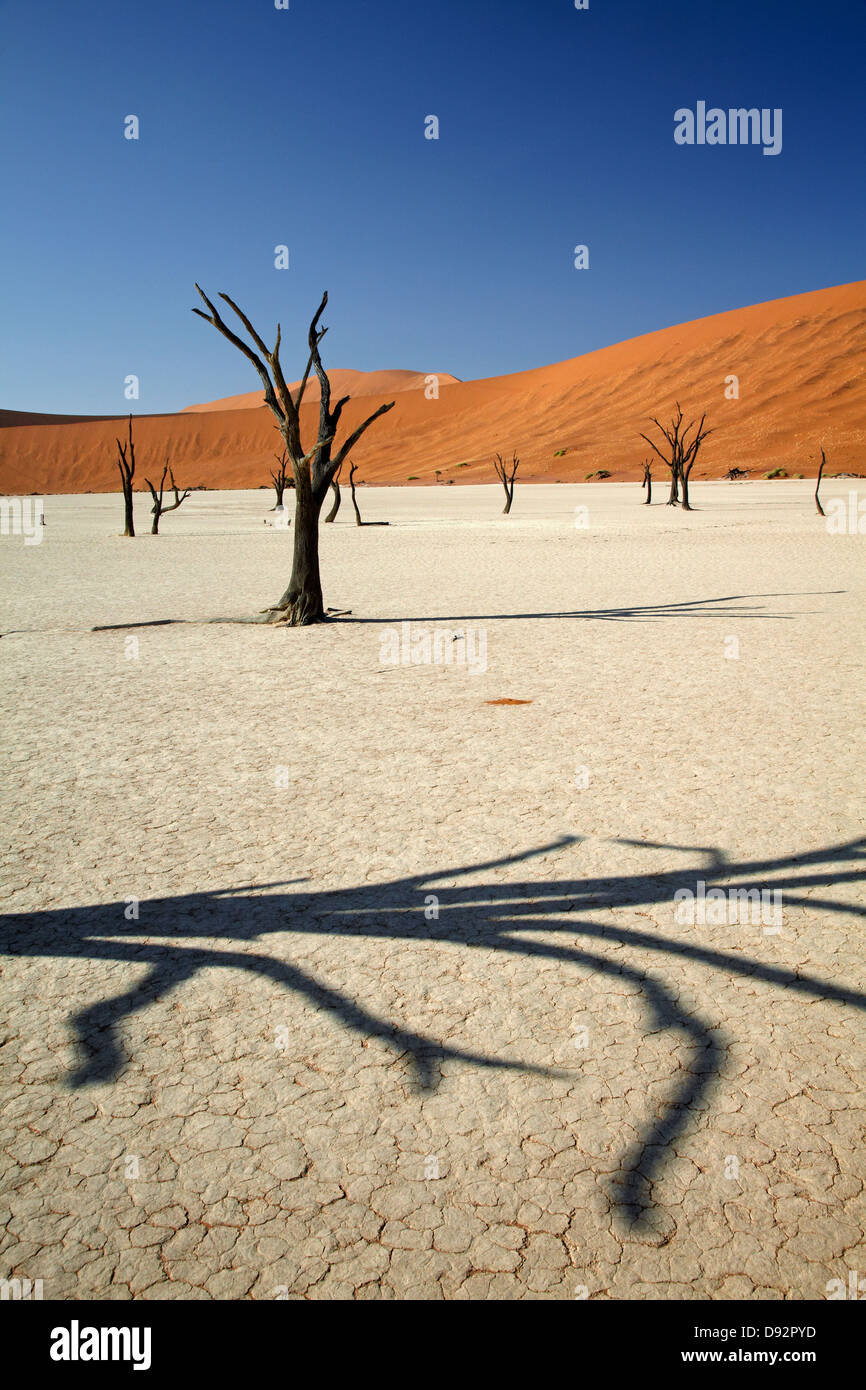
<point>306,127</point>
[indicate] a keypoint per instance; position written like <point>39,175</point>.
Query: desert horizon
<point>553,415</point>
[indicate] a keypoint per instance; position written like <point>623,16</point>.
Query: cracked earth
<point>327,979</point>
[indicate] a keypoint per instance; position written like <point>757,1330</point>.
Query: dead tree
<point>280,478</point>
<point>505,473</point>
<point>688,456</point>
<point>126,464</point>
<point>335,488</point>
<point>683,453</point>
<point>647,481</point>
<point>672,435</point>
<point>353,468</point>
<point>818,484</point>
<point>313,469</point>
<point>159,506</point>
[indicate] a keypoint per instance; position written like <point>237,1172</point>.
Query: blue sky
<point>306,127</point>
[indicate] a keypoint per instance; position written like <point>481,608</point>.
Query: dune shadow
<point>176,937</point>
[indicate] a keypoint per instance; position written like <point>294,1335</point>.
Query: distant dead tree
<point>313,469</point>
<point>505,473</point>
<point>126,464</point>
<point>647,481</point>
<point>280,478</point>
<point>335,488</point>
<point>818,484</point>
<point>353,468</point>
<point>159,506</point>
<point>683,453</point>
<point>688,457</point>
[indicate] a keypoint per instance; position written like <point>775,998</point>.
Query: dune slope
<point>799,362</point>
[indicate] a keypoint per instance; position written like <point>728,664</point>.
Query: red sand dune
<point>800,363</point>
<point>345,381</point>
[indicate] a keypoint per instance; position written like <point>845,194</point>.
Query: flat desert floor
<point>326,977</point>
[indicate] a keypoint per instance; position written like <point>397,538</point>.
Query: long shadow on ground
<point>492,915</point>
<point>724,607</point>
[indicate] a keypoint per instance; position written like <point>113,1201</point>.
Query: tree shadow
<point>723,607</point>
<point>492,915</point>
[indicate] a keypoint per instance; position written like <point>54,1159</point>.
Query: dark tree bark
<point>313,470</point>
<point>818,484</point>
<point>159,506</point>
<point>688,455</point>
<point>335,488</point>
<point>353,468</point>
<point>682,453</point>
<point>672,436</point>
<point>126,465</point>
<point>505,473</point>
<point>647,481</point>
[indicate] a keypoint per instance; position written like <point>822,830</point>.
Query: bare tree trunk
<point>159,505</point>
<point>689,457</point>
<point>818,484</point>
<point>313,469</point>
<point>353,468</point>
<point>280,478</point>
<point>302,603</point>
<point>505,473</point>
<point>682,454</point>
<point>647,482</point>
<point>685,498</point>
<point>126,466</point>
<point>335,488</point>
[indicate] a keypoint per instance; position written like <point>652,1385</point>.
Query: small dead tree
<point>647,481</point>
<point>159,506</point>
<point>823,465</point>
<point>313,469</point>
<point>126,464</point>
<point>683,453</point>
<point>335,488</point>
<point>280,478</point>
<point>672,435</point>
<point>505,473</point>
<point>688,456</point>
<point>353,468</point>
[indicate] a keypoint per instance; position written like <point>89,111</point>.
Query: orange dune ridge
<point>344,382</point>
<point>799,362</point>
